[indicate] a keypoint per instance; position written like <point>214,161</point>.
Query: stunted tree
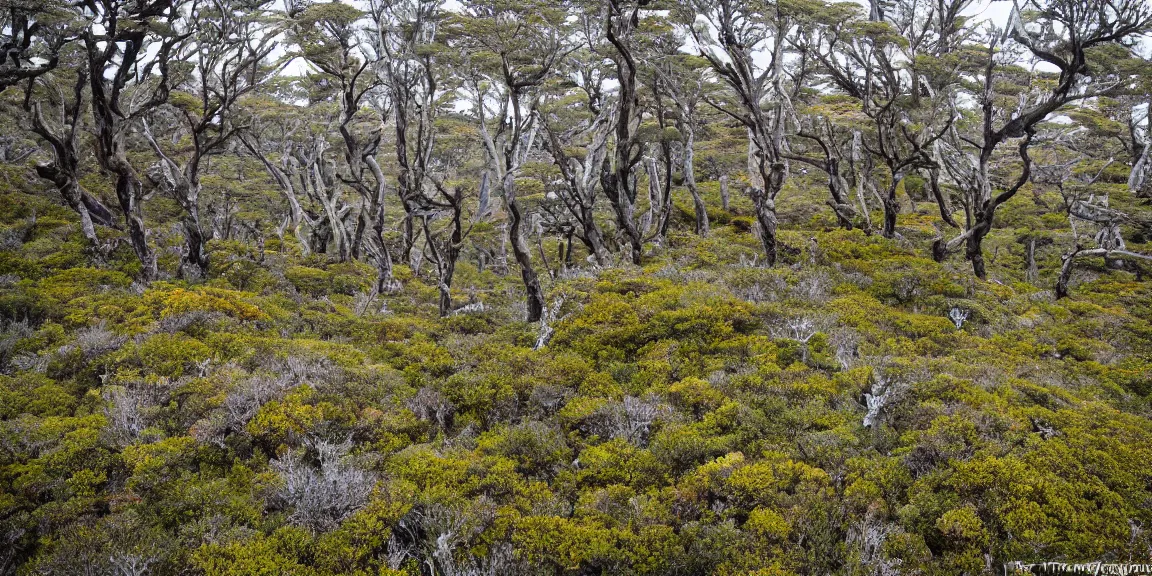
<point>1078,158</point>
<point>830,142</point>
<point>343,44</point>
<point>681,79</point>
<point>226,58</point>
<point>121,67</point>
<point>268,130</point>
<point>936,35</point>
<point>61,130</point>
<point>863,57</point>
<point>745,44</point>
<point>444,246</point>
<point>577,120</point>
<point>659,162</point>
<point>331,39</point>
<point>406,38</point>
<point>32,37</point>
<point>617,175</point>
<point>448,203</point>
<point>1078,38</point>
<point>1140,130</point>
<point>1125,119</point>
<point>826,125</point>
<point>307,173</point>
<point>510,49</point>
<point>129,47</point>
<point>1096,227</point>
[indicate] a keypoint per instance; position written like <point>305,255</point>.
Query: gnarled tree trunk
<point>535,294</point>
<point>689,171</point>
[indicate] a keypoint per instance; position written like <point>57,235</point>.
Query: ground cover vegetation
<point>573,287</point>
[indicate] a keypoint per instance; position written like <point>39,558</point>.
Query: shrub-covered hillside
<point>698,415</point>
<point>574,287</point>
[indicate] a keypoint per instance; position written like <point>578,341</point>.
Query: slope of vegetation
<point>697,415</point>
<point>574,287</point>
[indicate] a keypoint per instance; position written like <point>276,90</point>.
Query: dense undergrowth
<point>700,415</point>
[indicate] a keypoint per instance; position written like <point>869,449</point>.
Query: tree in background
<point>901,96</point>
<point>406,33</point>
<point>1078,38</point>
<point>226,58</point>
<point>729,35</point>
<point>577,122</point>
<point>510,49</point>
<point>682,79</point>
<point>618,175</point>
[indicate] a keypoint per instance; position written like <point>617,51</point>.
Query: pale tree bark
<point>114,55</point>
<point>482,202</point>
<point>1140,178</point>
<point>506,162</point>
<point>580,180</point>
<point>861,171</point>
<point>660,196</point>
<point>520,61</point>
<point>184,186</point>
<point>724,198</point>
<point>829,163</point>
<point>64,169</point>
<point>688,130</point>
<point>444,255</point>
<point>1070,260</point>
<point>301,222</point>
<point>1094,25</point>
<point>406,30</point>
<point>315,175</point>
<point>655,200</point>
<point>754,178</point>
<point>364,175</point>
<point>740,30</point>
<point>227,52</point>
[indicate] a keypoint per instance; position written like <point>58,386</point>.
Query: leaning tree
<point>682,80</point>
<point>745,43</point>
<point>509,50</point>
<point>225,59</point>
<point>577,124</point>
<point>1075,38</point>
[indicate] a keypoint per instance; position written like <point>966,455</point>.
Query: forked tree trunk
<point>838,189</point>
<point>385,281</point>
<point>764,200</point>
<point>766,219</point>
<point>129,195</point>
<point>196,254</point>
<point>860,171</point>
<point>616,190</point>
<point>296,215</point>
<point>617,180</point>
<point>63,172</point>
